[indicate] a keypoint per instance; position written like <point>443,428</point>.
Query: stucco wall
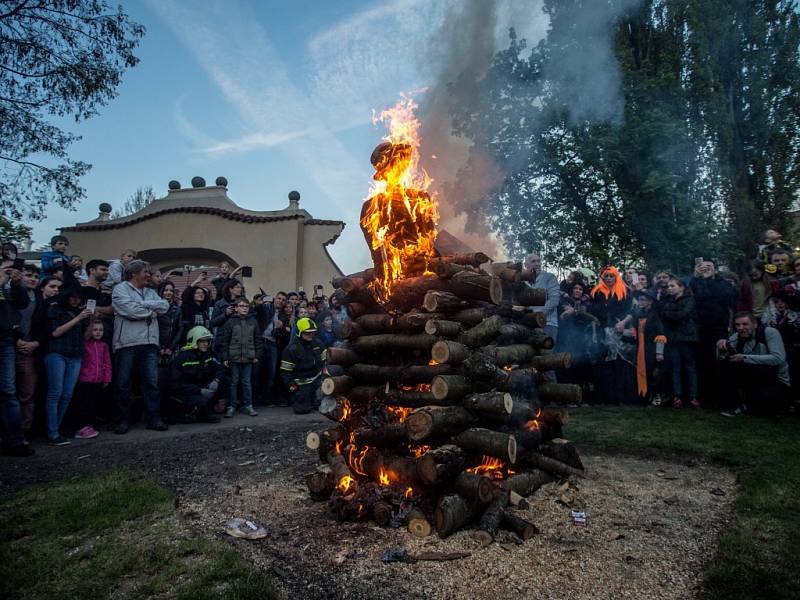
<point>271,249</point>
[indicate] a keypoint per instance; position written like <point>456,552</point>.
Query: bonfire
<point>437,399</point>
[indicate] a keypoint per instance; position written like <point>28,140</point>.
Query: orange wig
<point>619,290</point>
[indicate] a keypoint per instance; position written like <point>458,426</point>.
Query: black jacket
<point>679,318</point>
<point>71,343</point>
<point>609,311</point>
<point>240,340</point>
<point>169,328</point>
<point>714,299</point>
<point>14,298</point>
<point>194,368</point>
<point>302,362</point>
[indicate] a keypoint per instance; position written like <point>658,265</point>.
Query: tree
<point>683,143</point>
<point>57,58</point>
<point>14,232</point>
<point>135,202</point>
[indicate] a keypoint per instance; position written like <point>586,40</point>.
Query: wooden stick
<point>491,403</point>
<point>527,482</point>
<point>524,529</point>
<point>492,443</point>
<point>440,464</point>
<point>450,387</point>
<point>437,420</point>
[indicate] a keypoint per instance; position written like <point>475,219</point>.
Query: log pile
<point>438,402</point>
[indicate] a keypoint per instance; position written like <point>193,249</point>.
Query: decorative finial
<point>294,200</point>
<point>198,182</point>
<point>222,182</point>
<point>174,185</point>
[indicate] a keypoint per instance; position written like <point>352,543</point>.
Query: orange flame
<point>383,477</point>
<point>533,424</point>
<point>346,410</point>
<point>345,483</point>
<point>491,467</point>
<point>409,492</point>
<point>399,217</point>
<point>356,461</point>
<point>417,451</point>
<point>400,412</point>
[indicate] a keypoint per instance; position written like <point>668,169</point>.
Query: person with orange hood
<point>614,374</point>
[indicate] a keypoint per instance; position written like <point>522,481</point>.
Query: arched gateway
<point>201,225</point>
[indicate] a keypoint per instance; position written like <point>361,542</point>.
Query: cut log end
<point>419,526</point>
<point>312,440</point>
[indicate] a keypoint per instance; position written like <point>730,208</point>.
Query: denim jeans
<point>10,416</point>
<point>241,373</point>
<point>681,358</point>
<point>62,375</point>
<point>145,359</point>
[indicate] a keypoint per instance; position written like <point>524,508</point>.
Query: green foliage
<point>14,232</point>
<point>135,202</point>
<point>114,536</point>
<point>57,58</point>
<point>758,554</point>
<point>683,141</point>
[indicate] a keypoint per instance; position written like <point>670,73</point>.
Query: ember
<point>435,400</point>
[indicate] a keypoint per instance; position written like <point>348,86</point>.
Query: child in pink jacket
<point>93,381</point>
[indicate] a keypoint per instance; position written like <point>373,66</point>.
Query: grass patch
<point>115,535</point>
<point>758,556</point>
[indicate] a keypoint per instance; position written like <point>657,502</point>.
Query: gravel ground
<point>653,521</point>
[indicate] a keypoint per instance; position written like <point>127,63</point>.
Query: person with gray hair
<point>135,342</point>
<point>547,281</point>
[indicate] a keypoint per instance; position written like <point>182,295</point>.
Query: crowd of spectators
<point>104,344</point>
<point>708,339</point>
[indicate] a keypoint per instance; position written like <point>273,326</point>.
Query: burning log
<point>488,442</point>
<point>450,387</point>
<point>440,464</point>
<point>490,520</point>
<point>413,399</point>
<point>375,323</point>
<point>336,408</point>
<point>364,394</point>
<point>524,529</point>
<point>356,309</point>
<point>404,375</point>
<point>324,441</point>
<point>490,403</point>
<point>337,385</point>
<point>439,301</point>
<point>387,469</point>
<point>366,275</point>
<point>410,293</point>
<point>528,482</point>
<point>472,259</point>
<point>453,512</point>
<point>441,328</point>
<point>341,473</point>
<point>386,436</point>
<point>433,421</point>
<point>394,341</point>
<point>473,486</point>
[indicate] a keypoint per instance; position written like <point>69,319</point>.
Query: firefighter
<point>195,378</point>
<point>302,365</point>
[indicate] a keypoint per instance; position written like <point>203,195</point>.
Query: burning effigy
<point>438,400</point>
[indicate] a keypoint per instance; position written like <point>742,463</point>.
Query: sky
<point>273,95</point>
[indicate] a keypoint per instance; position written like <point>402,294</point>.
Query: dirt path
<point>653,522</point>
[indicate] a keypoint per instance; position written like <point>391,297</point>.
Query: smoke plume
<point>460,53</point>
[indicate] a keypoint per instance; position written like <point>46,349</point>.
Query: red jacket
<point>96,363</point>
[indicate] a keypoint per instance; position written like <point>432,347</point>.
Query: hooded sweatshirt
<point>96,363</point>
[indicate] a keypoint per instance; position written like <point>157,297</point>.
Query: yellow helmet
<point>306,324</point>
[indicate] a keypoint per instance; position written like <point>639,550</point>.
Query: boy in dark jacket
<point>195,378</point>
<point>650,344</point>
<point>240,343</point>
<point>302,364</point>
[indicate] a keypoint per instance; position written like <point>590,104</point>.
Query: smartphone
<point>91,305</point>
<point>247,271</point>
<point>698,260</point>
<point>301,290</point>
<point>178,273</point>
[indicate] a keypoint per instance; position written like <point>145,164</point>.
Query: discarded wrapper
<point>578,518</point>
<point>243,528</point>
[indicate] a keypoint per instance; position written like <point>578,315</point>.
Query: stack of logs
<point>438,402</point>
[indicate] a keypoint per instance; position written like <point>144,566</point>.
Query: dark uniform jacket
<point>194,368</point>
<point>302,362</point>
